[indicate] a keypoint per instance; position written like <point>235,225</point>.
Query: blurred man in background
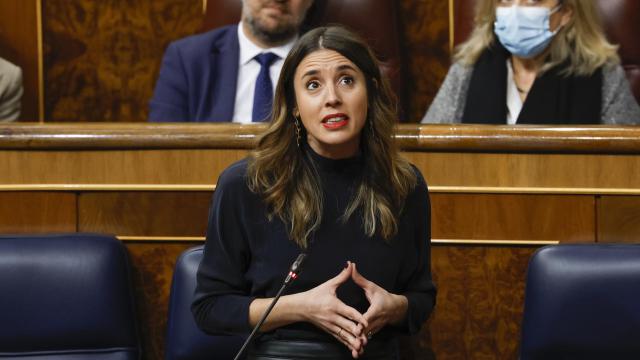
<point>229,73</point>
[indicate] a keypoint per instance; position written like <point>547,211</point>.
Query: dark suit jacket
<point>198,77</point>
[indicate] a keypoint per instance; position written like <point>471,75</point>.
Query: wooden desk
<point>498,193</point>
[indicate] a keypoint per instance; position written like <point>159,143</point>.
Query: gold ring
<point>340,333</point>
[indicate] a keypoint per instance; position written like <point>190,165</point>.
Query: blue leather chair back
<point>66,296</point>
<point>582,302</point>
<point>185,341</point>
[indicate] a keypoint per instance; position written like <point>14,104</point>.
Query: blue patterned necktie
<point>263,94</point>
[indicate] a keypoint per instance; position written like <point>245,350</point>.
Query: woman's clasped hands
<point>346,324</point>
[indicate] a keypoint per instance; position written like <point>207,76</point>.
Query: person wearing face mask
<point>228,74</point>
<point>535,62</point>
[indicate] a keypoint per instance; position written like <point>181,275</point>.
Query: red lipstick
<point>335,121</point>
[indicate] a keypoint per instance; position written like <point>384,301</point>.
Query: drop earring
<point>298,131</point>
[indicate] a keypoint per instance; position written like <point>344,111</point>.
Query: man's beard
<point>280,34</point>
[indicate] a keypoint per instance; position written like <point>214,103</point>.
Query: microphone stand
<point>293,274</point>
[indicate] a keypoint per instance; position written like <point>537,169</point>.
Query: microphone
<point>295,268</point>
<point>294,271</point>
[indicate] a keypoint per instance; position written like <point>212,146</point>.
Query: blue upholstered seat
<point>66,296</point>
<point>184,340</point>
<point>582,302</point>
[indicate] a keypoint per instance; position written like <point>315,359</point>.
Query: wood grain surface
<point>116,167</point>
<point>410,137</point>
<point>102,57</point>
<point>145,213</point>
<point>513,217</point>
<point>619,219</point>
<point>426,33</point>
<point>480,301</point>
<point>153,265</point>
<point>36,212</point>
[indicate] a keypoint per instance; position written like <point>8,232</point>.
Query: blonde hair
<point>581,42</point>
<point>280,169</point>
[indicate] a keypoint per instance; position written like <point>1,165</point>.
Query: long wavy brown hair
<point>281,171</point>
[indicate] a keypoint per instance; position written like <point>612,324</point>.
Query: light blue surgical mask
<point>524,30</point>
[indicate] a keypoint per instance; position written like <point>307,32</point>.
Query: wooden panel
<point>19,44</point>
<point>513,217</point>
<point>480,302</point>
<point>153,265</point>
<point>426,31</point>
<point>144,213</point>
<point>204,166</point>
<point>594,157</point>
<point>619,219</point>
<point>116,167</point>
<point>529,170</point>
<point>23,212</point>
<point>464,11</point>
<point>102,57</point>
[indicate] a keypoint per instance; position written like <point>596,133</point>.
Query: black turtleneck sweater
<point>247,256</point>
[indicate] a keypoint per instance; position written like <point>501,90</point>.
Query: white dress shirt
<point>10,91</point>
<point>248,70</point>
<point>514,102</point>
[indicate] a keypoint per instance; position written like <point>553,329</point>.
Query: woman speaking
<point>327,179</point>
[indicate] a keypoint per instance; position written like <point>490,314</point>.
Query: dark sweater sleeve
<point>221,301</point>
<point>419,289</point>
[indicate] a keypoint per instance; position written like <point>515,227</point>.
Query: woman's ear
<point>567,14</point>
<point>295,112</point>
